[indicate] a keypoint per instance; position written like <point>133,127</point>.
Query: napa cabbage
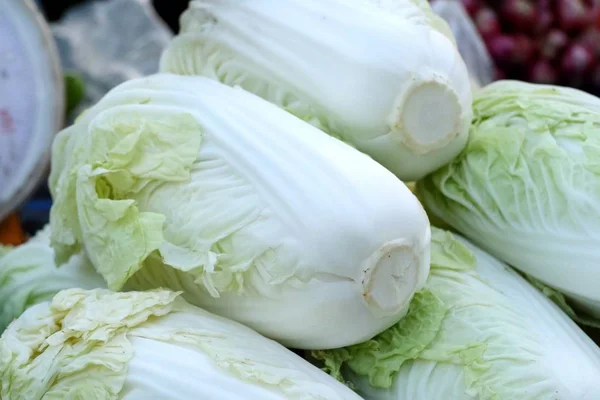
<point>527,186</point>
<point>477,331</point>
<point>28,276</point>
<point>383,75</point>
<point>99,344</point>
<point>182,182</point>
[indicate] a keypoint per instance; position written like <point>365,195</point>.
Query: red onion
<point>591,39</point>
<point>575,63</point>
<point>524,50</point>
<point>542,72</point>
<point>499,74</point>
<point>511,51</point>
<point>487,22</point>
<point>502,48</point>
<point>573,15</point>
<point>472,6</point>
<point>552,45</point>
<point>520,14</point>
<point>545,17</point>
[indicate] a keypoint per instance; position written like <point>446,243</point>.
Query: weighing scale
<point>31,101</point>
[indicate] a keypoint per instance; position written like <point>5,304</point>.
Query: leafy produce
<point>254,214</point>
<point>250,196</point>
<point>477,331</point>
<point>382,75</point>
<point>527,187</point>
<point>147,345</point>
<point>4,250</point>
<point>29,276</point>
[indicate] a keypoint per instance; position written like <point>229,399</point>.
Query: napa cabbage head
<point>99,344</point>
<point>527,186</point>
<point>477,331</point>
<point>28,275</point>
<point>383,75</point>
<point>5,249</point>
<point>182,182</point>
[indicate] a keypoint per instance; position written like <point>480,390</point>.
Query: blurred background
<point>169,10</point>
<point>96,52</point>
<point>545,41</point>
<point>104,42</point>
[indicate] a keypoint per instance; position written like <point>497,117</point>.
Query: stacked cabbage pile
<point>251,196</point>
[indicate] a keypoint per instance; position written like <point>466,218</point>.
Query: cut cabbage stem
<point>200,181</point>
<point>385,76</point>
<point>391,277</point>
<point>427,116</point>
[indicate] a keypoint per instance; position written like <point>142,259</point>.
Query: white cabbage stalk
<point>28,275</point>
<point>527,187</point>
<point>478,331</point>
<point>183,182</point>
<point>149,345</point>
<point>382,75</point>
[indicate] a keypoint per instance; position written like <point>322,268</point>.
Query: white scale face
<point>31,101</point>
<point>17,103</point>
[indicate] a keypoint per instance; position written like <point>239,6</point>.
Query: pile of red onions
<point>542,41</point>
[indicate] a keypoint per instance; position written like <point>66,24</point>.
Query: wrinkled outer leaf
<point>76,346</point>
<point>128,149</point>
<point>103,345</point>
<point>182,182</point>
<point>477,331</point>
<point>28,275</point>
<point>527,186</point>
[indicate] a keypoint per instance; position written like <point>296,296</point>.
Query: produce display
<point>308,203</point>
<point>542,41</point>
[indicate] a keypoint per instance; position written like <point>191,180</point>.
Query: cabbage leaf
<point>28,275</point>
<point>183,182</point>
<point>100,344</point>
<point>477,331</point>
<point>527,186</point>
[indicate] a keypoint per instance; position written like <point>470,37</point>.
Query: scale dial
<point>31,101</point>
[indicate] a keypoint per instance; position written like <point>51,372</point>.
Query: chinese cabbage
<point>148,345</point>
<point>383,75</point>
<point>183,182</point>
<point>527,186</point>
<point>478,331</point>
<point>28,275</point>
